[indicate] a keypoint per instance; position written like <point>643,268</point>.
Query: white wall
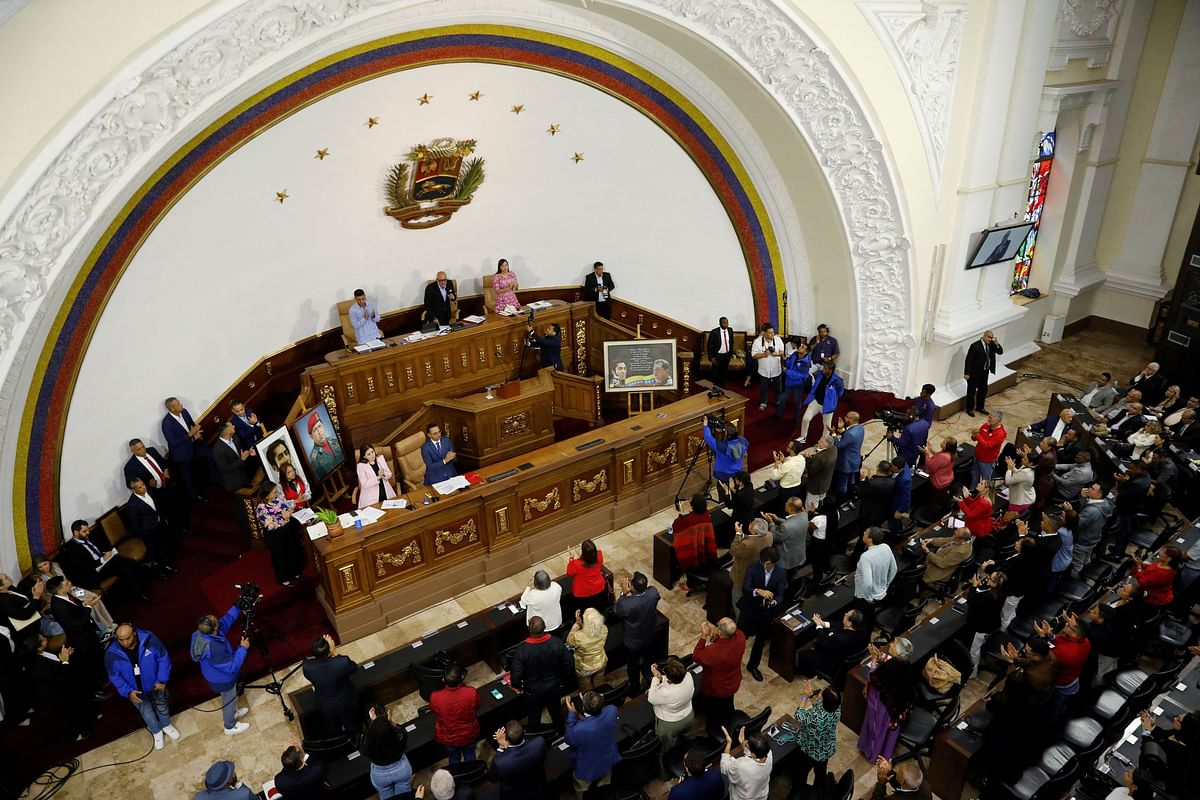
<point>636,202</point>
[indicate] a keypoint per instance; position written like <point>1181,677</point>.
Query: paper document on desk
<point>452,485</point>
<point>955,522</point>
<point>536,304</point>
<point>388,505</point>
<point>374,344</point>
<point>369,515</point>
<point>317,531</point>
<point>474,319</point>
<point>305,515</point>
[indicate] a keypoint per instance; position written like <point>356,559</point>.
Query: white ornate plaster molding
<point>1084,29</point>
<point>923,42</point>
<point>773,46</point>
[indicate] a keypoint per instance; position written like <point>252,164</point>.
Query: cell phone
<point>497,694</point>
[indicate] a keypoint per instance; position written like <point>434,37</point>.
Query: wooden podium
<point>487,431</point>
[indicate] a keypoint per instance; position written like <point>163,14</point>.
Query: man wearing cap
<point>221,783</point>
<point>326,453</point>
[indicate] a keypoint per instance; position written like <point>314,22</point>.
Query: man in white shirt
<point>1101,395</point>
<point>788,470</point>
<point>876,568</point>
<point>543,598</point>
<point>364,317</point>
<point>767,350</point>
<point>750,775</point>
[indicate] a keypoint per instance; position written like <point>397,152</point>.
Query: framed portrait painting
<point>277,453</point>
<point>319,441</point>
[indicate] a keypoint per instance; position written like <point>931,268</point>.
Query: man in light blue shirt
<point>364,316</point>
<point>876,568</point>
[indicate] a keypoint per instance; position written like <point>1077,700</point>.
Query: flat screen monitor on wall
<point>640,365</point>
<point>999,244</point>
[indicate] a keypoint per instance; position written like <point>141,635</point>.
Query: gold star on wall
<point>372,122</point>
<point>553,129</point>
<point>424,99</point>
<point>475,95</point>
<point>577,157</point>
<point>322,153</point>
<point>281,196</point>
<point>518,109</point>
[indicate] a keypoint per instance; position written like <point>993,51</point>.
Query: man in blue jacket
<point>901,492</point>
<point>592,734</point>
<point>729,448</point>
<point>910,440</point>
<point>822,399</point>
<point>220,664</point>
<point>139,668</point>
<point>519,764</point>
<point>849,459</point>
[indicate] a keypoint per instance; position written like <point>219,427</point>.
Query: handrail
<point>413,423</point>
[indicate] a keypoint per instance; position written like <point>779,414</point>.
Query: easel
<point>639,402</point>
<point>334,486</point>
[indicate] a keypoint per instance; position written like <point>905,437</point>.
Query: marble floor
<point>128,766</point>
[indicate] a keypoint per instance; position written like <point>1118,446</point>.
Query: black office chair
<point>752,724</point>
<point>895,620</point>
<point>614,695</point>
<point>844,788</point>
<point>959,657</point>
<point>1098,572</point>
<point>1129,682</point>
<point>943,589</point>
<point>1079,594</point>
<point>712,753</point>
<point>430,677</point>
<point>639,762</point>
<point>1112,710</point>
<point>328,748</point>
<point>919,729</point>
<point>838,677</point>
<point>1085,736</point>
<point>506,658</point>
<point>468,773</point>
<point>905,586</point>
<point>928,514</point>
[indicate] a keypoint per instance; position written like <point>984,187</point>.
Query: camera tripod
<point>890,452</point>
<point>251,630</point>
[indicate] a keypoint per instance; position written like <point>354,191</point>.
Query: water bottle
<point>670,528</point>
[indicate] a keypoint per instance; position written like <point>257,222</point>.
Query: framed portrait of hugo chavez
<point>318,440</point>
<point>639,365</point>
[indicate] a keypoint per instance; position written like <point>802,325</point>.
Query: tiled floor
<point>177,771</point>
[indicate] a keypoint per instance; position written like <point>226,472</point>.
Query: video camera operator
<point>730,449</point>
<point>220,663</point>
<point>909,439</point>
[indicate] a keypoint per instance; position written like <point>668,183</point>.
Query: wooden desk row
<point>534,506</point>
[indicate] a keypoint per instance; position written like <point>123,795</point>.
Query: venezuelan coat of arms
<point>432,182</point>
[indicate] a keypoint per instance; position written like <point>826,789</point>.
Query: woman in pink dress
<point>374,479</point>
<point>505,284</point>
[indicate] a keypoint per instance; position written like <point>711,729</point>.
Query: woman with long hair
<point>374,478</point>
<point>587,637</point>
<point>505,284</point>
<point>383,744</point>
<point>293,486</point>
<point>589,588</point>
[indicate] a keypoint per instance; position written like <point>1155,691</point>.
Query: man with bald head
<point>1127,423</point>
<point>719,651</point>
<point>979,367</point>
<point>441,300</point>
<point>906,780</point>
<point>1151,383</point>
<point>139,667</point>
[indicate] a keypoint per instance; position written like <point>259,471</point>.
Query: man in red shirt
<point>456,707</point>
<point>719,651</point>
<point>989,440</point>
<point>1071,649</point>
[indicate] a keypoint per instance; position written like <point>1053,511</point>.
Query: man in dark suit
<point>720,350</point>
<point>299,780</point>
<point>61,679</point>
<point>1054,426</point>
<point>834,643</point>
<point>519,765</point>
<point>1187,432</point>
<point>184,444</point>
<point>440,297</point>
<point>1151,383</point>
<point>438,455</point>
<point>250,431</point>
<point>981,362</point>
<point>1126,423</point>
<point>84,562</point>
<point>598,288</point>
<point>147,523</point>
<point>75,617</point>
<point>764,595</point>
<point>230,458</point>
<point>875,495</point>
<point>20,606</point>
<point>549,345</point>
<point>151,466</point>
<point>539,666</point>
<point>329,673</point>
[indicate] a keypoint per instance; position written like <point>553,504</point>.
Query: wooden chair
<point>737,343</point>
<point>489,294</point>
<point>112,524</point>
<point>343,309</point>
<point>410,462</point>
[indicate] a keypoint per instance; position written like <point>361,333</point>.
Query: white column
<point>1137,271</point>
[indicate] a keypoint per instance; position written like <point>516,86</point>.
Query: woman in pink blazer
<point>374,479</point>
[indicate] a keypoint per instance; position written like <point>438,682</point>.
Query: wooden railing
<point>577,397</point>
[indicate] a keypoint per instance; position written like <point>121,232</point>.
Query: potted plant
<point>330,518</point>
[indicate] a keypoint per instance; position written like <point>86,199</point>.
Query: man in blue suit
<point>519,765</point>
<point>914,436</point>
<point>592,734</point>
<point>849,458</point>
<point>827,390</point>
<point>184,444</point>
<point>246,425</point>
<point>150,465</point>
<point>764,596</point>
<point>438,455</point>
<point>1055,426</point>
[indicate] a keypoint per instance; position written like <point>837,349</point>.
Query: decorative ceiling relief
<point>923,42</point>
<point>1084,29</point>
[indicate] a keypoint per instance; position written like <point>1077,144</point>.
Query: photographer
<point>913,436</point>
<point>549,345</point>
<point>730,450</point>
<point>767,350</point>
<point>220,664</point>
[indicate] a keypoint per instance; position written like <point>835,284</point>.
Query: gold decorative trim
<point>371,384</point>
<point>327,395</point>
<point>465,361</point>
<point>428,369</point>
<point>391,379</point>
<point>596,392</point>
<point>499,351</point>
<point>687,378</point>
<point>349,578</point>
<point>516,343</point>
<point>514,425</point>
<point>252,519</point>
<point>659,458</point>
<point>581,359</point>
<point>627,467</point>
<point>581,487</point>
<point>411,550</point>
<point>502,520</point>
<point>466,531</point>
<point>446,364</point>
<point>482,356</point>
<point>551,499</point>
<point>408,374</point>
<point>349,390</point>
<point>269,368</point>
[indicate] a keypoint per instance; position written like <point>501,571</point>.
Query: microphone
<point>529,320</point>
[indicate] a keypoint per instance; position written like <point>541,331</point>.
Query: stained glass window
<point>1038,180</point>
